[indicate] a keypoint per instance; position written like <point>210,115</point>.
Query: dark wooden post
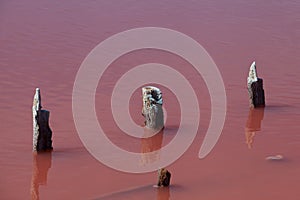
<point>255,88</point>
<point>42,134</point>
<point>164,177</point>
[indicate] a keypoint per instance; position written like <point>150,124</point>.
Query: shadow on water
<point>41,164</point>
<point>149,191</point>
<point>74,151</point>
<point>279,108</point>
<point>171,129</point>
<point>253,124</point>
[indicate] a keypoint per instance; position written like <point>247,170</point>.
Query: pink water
<point>43,43</point>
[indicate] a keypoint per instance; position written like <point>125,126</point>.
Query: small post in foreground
<point>164,177</point>
<point>42,134</point>
<point>255,88</point>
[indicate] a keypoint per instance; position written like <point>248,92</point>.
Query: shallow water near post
<point>43,43</point>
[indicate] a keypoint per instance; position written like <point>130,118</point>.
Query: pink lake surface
<point>43,43</point>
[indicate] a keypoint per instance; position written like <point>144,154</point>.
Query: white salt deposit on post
<point>255,88</point>
<point>35,109</point>
<point>42,134</point>
<point>252,74</point>
<point>152,107</point>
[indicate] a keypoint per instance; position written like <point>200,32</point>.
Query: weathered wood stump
<point>152,108</point>
<point>164,177</point>
<point>42,134</point>
<point>255,88</point>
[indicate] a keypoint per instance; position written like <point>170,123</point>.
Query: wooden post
<point>42,134</point>
<point>154,120</point>
<point>164,177</point>
<point>152,108</point>
<point>255,88</point>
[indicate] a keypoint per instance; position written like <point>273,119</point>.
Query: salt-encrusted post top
<point>37,103</point>
<point>153,94</point>
<point>252,73</point>
<point>152,107</point>
<point>255,88</point>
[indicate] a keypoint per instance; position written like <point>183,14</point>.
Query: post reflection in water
<point>151,147</point>
<point>253,124</point>
<point>163,193</point>
<point>41,165</point>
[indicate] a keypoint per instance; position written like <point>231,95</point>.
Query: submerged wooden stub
<point>152,107</point>
<point>42,134</point>
<point>255,88</point>
<point>164,177</point>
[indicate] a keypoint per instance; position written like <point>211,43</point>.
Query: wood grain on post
<point>42,134</point>
<point>255,88</point>
<point>152,108</point>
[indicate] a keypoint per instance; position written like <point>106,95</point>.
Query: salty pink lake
<point>43,43</point>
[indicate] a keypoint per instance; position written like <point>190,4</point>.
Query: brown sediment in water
<point>43,44</point>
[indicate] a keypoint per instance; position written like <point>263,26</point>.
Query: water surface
<point>43,43</point>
